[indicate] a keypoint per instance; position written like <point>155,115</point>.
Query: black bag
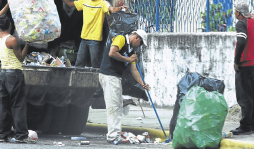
<point>122,23</point>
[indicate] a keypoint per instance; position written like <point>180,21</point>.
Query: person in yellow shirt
<point>112,68</point>
<point>93,17</point>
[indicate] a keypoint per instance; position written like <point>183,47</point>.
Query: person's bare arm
<point>114,53</point>
<point>115,9</point>
<point>69,3</point>
<point>137,77</point>
<point>12,43</point>
<point>4,10</point>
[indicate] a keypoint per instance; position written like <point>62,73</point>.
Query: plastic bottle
<point>227,134</point>
<point>65,55</point>
<point>78,138</point>
<point>84,143</point>
<point>39,58</point>
<point>115,142</point>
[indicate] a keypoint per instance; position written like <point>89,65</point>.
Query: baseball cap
<point>142,34</point>
<point>243,9</point>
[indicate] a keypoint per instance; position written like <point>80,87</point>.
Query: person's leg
<point>5,110</point>
<point>96,53</point>
<point>252,98</point>
<point>243,96</point>
<point>112,90</point>
<point>15,84</point>
<point>83,54</point>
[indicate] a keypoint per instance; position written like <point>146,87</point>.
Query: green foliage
<point>217,18</point>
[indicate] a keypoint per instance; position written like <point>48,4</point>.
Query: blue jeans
<point>89,53</point>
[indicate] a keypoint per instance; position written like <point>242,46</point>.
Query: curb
<point>232,144</point>
<point>153,133</point>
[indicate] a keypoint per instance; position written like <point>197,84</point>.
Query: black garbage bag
<point>189,80</point>
<point>122,23</point>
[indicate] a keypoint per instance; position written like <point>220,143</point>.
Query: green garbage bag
<point>200,120</point>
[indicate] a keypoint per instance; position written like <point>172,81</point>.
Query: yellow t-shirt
<point>118,41</point>
<point>7,56</point>
<point>93,17</point>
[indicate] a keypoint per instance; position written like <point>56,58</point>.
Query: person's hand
<point>236,67</point>
<point>146,86</point>
<point>125,8</point>
<point>133,58</point>
<point>28,43</point>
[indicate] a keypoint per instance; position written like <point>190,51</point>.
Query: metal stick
<point>141,108</point>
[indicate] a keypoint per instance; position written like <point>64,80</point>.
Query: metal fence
<point>186,15</point>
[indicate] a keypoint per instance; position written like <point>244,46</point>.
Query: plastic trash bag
<point>189,80</point>
<point>200,120</point>
<point>123,23</point>
<point>35,20</point>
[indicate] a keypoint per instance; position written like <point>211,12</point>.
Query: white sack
<point>35,20</point>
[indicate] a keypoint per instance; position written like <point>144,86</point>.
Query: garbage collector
<point>112,68</point>
<point>12,85</point>
<point>93,17</point>
<point>244,68</point>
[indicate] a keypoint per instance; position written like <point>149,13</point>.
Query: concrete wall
<point>169,55</point>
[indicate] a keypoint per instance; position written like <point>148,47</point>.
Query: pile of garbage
<point>128,137</point>
<point>45,59</point>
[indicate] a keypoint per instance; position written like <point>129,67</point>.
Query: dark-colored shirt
<point>111,66</point>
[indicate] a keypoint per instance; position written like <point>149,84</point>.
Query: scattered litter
<point>132,138</point>
<point>78,138</point>
<point>139,118</point>
<point>141,138</point>
<point>58,144</point>
<point>84,143</point>
<point>33,135</point>
<point>147,136</point>
<point>157,140</point>
<point>124,135</point>
<point>129,137</point>
<point>115,142</point>
<point>13,140</point>
<point>227,134</point>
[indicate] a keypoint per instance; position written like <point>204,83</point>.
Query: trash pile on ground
<point>45,59</point>
<point>130,138</point>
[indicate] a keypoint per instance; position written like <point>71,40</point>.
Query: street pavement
<point>138,121</point>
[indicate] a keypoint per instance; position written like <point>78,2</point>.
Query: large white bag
<point>35,20</point>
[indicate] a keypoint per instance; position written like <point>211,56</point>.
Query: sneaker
<point>239,131</point>
<point>27,140</point>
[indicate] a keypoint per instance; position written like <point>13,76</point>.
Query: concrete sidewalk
<point>136,123</point>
